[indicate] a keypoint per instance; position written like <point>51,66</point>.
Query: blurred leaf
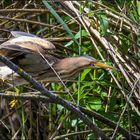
<point>91,14</point>
<point>60,20</point>
<point>74,122</point>
<point>138,5</point>
<point>92,23</point>
<point>83,90</point>
<point>91,137</point>
<point>103,94</point>
<point>103,24</point>
<point>78,35</point>
<point>59,107</point>
<point>84,73</point>
<point>95,104</point>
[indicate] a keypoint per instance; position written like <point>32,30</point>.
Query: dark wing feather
<point>27,51</point>
<point>35,64</point>
<point>25,43</point>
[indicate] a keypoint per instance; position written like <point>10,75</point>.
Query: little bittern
<point>32,54</point>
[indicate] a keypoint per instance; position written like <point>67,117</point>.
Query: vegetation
<point>108,99</point>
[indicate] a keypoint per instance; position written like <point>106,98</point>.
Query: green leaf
<point>74,122</point>
<point>103,94</point>
<point>60,20</point>
<point>59,107</point>
<point>96,105</point>
<point>85,72</point>
<point>91,137</point>
<point>91,14</point>
<point>104,24</point>
<point>77,36</point>
<point>138,5</point>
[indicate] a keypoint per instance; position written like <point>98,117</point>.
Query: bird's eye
<point>91,65</point>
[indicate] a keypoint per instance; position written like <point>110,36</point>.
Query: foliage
<point>106,30</point>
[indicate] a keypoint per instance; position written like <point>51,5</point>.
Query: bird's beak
<point>102,65</point>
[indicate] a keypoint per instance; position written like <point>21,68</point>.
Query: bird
<point>35,55</point>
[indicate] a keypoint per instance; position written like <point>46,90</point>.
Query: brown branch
<point>55,98</point>
<point>29,21</point>
<point>70,135</point>
<point>97,116</point>
<point>28,96</point>
<point>26,10</point>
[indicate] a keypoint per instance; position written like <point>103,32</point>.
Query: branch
<point>26,10</point>
<point>55,98</point>
<point>97,116</point>
<point>28,96</point>
<point>29,21</point>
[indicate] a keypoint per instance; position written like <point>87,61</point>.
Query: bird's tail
<point>9,77</point>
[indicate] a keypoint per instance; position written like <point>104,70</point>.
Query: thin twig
<point>70,135</point>
<point>29,21</point>
<point>27,10</point>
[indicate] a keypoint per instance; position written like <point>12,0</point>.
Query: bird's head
<point>91,62</point>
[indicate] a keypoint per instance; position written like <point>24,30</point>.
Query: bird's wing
<point>31,53</point>
<point>27,44</point>
<point>27,49</point>
<point>35,63</point>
